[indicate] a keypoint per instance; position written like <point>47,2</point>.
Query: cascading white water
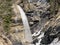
<point>28,35</point>
<point>40,36</point>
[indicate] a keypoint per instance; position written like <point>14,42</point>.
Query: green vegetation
<point>6,22</point>
<point>6,13</point>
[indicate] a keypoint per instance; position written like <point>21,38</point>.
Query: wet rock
<point>35,41</point>
<point>48,39</point>
<point>50,35</point>
<point>58,29</point>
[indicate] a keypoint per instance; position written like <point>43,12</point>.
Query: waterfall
<point>28,35</point>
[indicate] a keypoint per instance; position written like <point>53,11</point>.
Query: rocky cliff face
<point>4,40</point>
<point>43,20</point>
